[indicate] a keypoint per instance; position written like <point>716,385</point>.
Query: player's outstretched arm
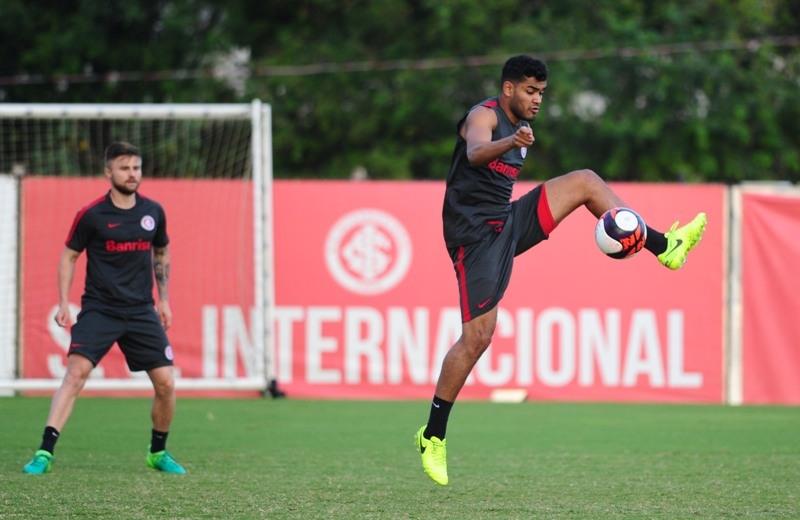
<point>161,267</point>
<point>477,131</point>
<point>66,271</point>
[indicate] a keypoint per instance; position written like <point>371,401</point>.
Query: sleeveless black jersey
<point>478,198</point>
<point>118,243</point>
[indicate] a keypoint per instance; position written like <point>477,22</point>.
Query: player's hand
<point>164,314</point>
<point>523,137</point>
<point>63,317</point>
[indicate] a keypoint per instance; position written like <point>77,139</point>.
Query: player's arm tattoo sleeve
<point>161,269</point>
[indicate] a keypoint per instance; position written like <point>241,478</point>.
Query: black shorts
<point>140,336</point>
<point>483,268</point>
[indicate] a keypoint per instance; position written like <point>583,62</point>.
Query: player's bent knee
<point>588,177</point>
<point>588,182</point>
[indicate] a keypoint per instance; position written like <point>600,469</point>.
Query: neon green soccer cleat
<point>41,463</point>
<point>163,461</point>
<point>681,240</point>
<point>434,456</point>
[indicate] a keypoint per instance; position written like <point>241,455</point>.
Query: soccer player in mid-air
<point>125,238</point>
<point>484,230</point>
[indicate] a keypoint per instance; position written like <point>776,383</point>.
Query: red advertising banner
<point>770,304</point>
<point>211,284</point>
<point>368,302</point>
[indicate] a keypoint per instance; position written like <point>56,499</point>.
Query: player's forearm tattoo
<point>161,269</point>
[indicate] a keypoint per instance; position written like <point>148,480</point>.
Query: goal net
<point>210,167</point>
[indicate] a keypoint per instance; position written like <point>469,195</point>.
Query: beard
<point>520,114</point>
<point>519,110</point>
<point>124,189</point>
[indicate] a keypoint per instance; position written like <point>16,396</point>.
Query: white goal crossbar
<point>128,111</point>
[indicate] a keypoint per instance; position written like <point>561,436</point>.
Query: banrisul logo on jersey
<point>368,251</point>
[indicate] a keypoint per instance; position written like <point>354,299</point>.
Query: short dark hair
<point>120,149</point>
<point>520,67</point>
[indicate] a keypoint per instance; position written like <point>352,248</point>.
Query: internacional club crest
<point>368,251</point>
<point>148,223</point>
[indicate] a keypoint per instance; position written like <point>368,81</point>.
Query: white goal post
<point>32,142</point>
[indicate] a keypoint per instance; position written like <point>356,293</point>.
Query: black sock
<point>49,439</point>
<point>158,441</point>
<point>656,242</point>
<point>437,421</point>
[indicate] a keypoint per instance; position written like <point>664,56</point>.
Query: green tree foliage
<point>638,91</point>
<point>75,39</point>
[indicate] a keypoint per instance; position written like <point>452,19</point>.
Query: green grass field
<point>331,459</point>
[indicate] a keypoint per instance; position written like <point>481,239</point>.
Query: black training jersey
<point>118,243</point>
<point>479,197</point>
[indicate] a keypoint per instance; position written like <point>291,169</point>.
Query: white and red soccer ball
<point>620,233</point>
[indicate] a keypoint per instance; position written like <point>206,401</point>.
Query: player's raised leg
<point>162,412</point>
<point>585,188</point>
<point>572,190</point>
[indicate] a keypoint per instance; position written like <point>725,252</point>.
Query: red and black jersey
<point>118,244</point>
<point>478,198</point>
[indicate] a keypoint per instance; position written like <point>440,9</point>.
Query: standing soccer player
<point>484,230</point>
<point>125,238</point>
